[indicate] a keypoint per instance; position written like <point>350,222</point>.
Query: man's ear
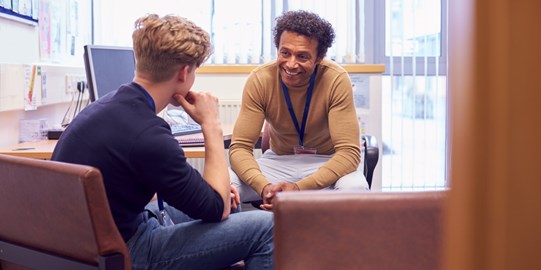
<point>182,74</point>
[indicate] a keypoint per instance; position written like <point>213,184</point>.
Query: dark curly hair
<point>307,24</point>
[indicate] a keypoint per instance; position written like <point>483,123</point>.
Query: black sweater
<point>121,135</point>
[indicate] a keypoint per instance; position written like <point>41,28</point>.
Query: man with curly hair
<point>189,226</point>
<point>307,100</point>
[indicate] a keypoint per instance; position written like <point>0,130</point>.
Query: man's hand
<point>270,191</point>
<point>201,107</point>
<point>235,198</point>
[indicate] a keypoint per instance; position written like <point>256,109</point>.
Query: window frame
<point>405,66</point>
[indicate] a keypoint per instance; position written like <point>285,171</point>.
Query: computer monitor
<point>107,67</point>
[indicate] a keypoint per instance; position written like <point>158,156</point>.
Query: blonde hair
<point>162,45</point>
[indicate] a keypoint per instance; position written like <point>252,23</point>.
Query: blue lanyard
<point>147,95</point>
<point>153,106</point>
<point>300,130</point>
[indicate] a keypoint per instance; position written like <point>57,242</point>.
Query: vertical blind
<point>239,35</point>
<point>414,95</point>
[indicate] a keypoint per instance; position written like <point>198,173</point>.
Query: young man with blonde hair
<point>190,227</point>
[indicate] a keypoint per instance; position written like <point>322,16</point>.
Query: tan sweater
<point>331,127</point>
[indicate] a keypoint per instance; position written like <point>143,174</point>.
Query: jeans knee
<point>263,220</point>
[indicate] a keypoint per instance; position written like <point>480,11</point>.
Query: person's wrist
<point>212,126</point>
<point>296,187</point>
<point>263,190</point>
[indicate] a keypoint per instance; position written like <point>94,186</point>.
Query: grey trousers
<point>292,168</point>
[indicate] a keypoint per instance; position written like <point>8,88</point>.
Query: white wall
<point>224,86</point>
<point>19,42</point>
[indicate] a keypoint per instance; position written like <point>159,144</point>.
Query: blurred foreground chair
<point>56,216</point>
<point>358,230</point>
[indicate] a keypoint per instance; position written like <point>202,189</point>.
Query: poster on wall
<point>32,95</point>
<point>35,9</point>
<point>44,28</point>
<point>51,20</point>
<point>25,8</point>
<point>55,17</point>
<point>5,4</point>
<point>15,6</point>
<point>19,10</point>
<point>72,26</point>
<point>361,90</point>
<point>63,29</point>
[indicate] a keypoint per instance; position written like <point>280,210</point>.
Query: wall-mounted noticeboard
<point>24,11</point>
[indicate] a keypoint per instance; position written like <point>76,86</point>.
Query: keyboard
<point>185,129</point>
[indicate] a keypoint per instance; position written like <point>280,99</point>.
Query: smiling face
<point>297,58</point>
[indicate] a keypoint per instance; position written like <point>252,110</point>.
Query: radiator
<point>229,110</point>
<point>199,163</point>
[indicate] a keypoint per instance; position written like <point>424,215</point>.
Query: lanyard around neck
<point>147,95</point>
<point>300,129</point>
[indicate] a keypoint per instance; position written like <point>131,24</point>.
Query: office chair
<point>56,216</point>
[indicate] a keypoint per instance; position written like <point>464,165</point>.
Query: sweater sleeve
<point>246,133</point>
<point>160,161</point>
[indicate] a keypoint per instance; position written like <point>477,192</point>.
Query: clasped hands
<point>235,198</point>
<point>270,190</point>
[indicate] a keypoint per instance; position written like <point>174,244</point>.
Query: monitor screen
<point>107,67</point>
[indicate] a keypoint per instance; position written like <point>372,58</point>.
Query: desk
<point>44,149</point>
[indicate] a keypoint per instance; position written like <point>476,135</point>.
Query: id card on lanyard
<point>301,149</point>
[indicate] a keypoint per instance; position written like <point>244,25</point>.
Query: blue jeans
<point>194,244</point>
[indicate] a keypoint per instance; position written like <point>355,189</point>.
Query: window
<point>239,35</point>
<point>411,40</point>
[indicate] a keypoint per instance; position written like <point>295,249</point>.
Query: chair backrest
<point>371,151</point>
<point>56,216</point>
<point>265,137</point>
<point>359,230</point>
<point>371,157</point>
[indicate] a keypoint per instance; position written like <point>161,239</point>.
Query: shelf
<point>245,69</point>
